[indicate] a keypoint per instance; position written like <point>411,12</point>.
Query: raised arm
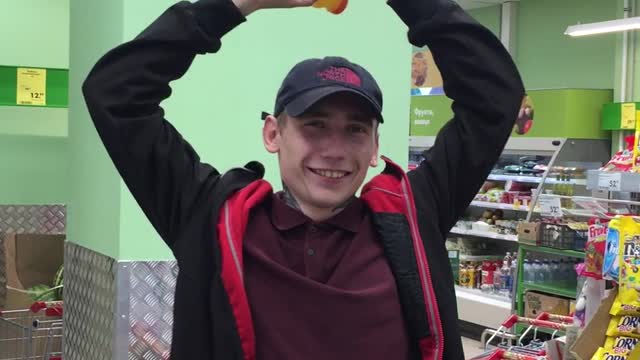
<point>481,78</point>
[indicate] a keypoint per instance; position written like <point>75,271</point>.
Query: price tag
<point>550,206</point>
<point>610,181</point>
<point>628,116</point>
<point>31,87</point>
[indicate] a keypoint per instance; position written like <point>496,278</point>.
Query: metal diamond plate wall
<point>90,304</point>
<point>33,219</point>
<point>152,286</point>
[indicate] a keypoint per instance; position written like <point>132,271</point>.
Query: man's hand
<point>248,6</point>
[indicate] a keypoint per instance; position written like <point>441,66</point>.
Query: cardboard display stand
<point>594,334</point>
<point>29,260</point>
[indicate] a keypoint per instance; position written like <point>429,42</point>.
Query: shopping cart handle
<point>554,317</point>
<point>511,320</point>
<point>37,306</point>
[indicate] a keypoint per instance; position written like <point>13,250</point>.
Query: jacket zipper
<point>424,271</point>
<point>234,254</point>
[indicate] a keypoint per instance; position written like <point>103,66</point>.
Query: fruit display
<point>42,292</point>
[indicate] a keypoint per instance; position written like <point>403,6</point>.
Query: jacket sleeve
<point>123,93</point>
<point>481,78</point>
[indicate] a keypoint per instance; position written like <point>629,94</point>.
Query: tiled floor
<point>471,348</point>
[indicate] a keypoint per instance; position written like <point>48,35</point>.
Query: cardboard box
<point>594,334</point>
<point>529,233</point>
<point>536,303</point>
<point>29,260</point>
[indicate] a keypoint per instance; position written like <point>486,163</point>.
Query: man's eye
<point>358,129</point>
<point>315,124</point>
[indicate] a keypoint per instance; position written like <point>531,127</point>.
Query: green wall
<point>33,140</point>
<point>94,208</point>
<point>217,105</point>
<point>549,59</point>
<point>489,16</point>
<point>34,170</point>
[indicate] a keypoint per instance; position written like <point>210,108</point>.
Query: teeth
<point>331,174</point>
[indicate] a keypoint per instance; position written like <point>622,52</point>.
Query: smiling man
<point>314,271</point>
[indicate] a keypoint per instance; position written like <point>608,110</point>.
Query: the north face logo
<point>341,74</point>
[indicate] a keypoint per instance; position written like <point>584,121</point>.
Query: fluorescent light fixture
<point>632,23</point>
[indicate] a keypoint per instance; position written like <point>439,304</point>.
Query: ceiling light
<point>632,23</point>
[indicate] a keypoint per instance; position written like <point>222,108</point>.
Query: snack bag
<point>628,299</point>
<point>622,161</point>
<point>594,249</point>
<point>603,354</point>
<point>627,326</point>
<point>623,242</point>
<point>610,265</point>
<point>620,345</point>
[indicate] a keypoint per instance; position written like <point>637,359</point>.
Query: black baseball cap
<point>314,79</point>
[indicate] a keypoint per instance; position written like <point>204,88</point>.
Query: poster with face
<point>524,122</point>
<point>425,76</point>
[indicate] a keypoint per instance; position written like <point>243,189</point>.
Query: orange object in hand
<point>332,6</point>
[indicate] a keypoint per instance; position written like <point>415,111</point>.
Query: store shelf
<point>600,180</point>
<point>552,251</point>
<point>492,205</point>
<point>483,309</point>
<point>484,234</point>
<point>534,179</point>
<point>478,258</point>
<point>553,289</point>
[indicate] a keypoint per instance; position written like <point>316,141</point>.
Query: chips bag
<point>628,299</point>
<point>623,243</point>
<point>594,250</point>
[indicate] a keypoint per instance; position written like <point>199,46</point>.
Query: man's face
<point>324,154</point>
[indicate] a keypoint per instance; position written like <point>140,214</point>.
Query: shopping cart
<point>535,350</point>
<point>34,333</point>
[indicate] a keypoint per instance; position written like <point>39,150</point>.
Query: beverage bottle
<point>478,283</point>
<point>504,279</point>
<point>496,277</point>
<point>463,277</point>
<point>538,277</point>
<point>526,268</point>
<point>471,273</point>
<point>487,276</point>
<point>508,259</point>
<point>555,271</point>
<point>546,270</point>
<point>513,275</point>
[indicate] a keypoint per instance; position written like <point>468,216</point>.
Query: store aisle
<point>471,348</point>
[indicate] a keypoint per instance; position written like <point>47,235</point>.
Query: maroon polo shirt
<point>321,290</point>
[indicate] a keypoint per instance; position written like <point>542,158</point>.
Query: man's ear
<point>271,134</point>
<point>374,157</point>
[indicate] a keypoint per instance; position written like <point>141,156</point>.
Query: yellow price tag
<point>31,87</point>
<point>628,118</point>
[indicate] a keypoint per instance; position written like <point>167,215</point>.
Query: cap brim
<point>306,100</point>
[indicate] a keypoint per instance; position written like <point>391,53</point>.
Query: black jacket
<point>199,212</point>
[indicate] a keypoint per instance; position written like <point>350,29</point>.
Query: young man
<point>313,272</point>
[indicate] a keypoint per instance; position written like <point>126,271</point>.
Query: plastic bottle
<point>527,272</point>
<point>555,271</point>
<point>463,276</point>
<point>546,270</point>
<point>508,259</point>
<point>478,282</point>
<point>538,277</point>
<point>332,6</point>
<point>513,273</point>
<point>505,282</point>
<point>487,276</point>
<point>497,278</point>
